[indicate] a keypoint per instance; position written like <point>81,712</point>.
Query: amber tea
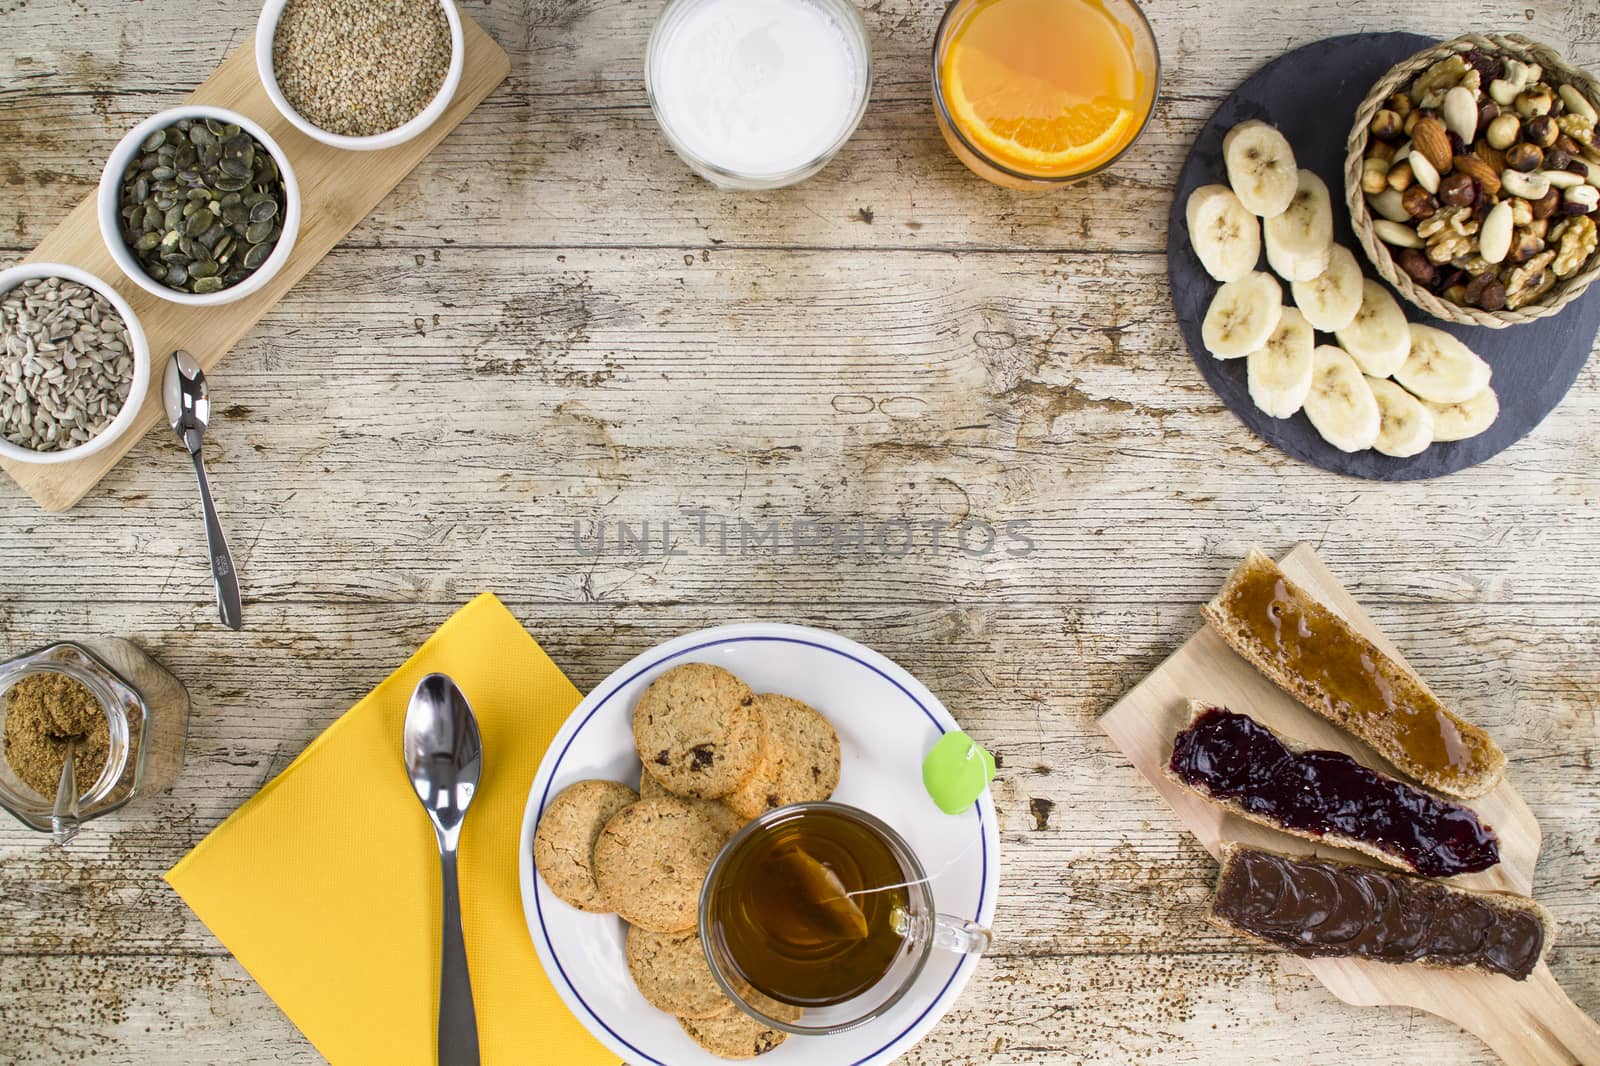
<point>807,910</point>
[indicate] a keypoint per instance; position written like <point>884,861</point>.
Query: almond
<point>1428,136</point>
<point>1487,177</point>
<point>1491,155</point>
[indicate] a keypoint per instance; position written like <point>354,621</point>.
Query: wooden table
<point>553,325</point>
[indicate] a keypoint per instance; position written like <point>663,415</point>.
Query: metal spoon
<point>64,821</point>
<point>444,756</point>
<point>189,411</point>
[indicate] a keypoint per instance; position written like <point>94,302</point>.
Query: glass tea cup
<point>883,924</point>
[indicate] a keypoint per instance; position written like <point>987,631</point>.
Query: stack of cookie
<point>715,756</point>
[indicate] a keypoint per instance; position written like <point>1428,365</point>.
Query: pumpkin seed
<point>201,286</point>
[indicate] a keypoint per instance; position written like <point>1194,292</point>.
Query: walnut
<point>1578,241</point>
<point>1439,79</point>
<point>1521,211</point>
<point>1577,127</point>
<point>1448,246</point>
<point>1456,220</point>
<point>1473,264</point>
<point>1531,280</point>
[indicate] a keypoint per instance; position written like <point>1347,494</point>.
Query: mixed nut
<point>1485,180</point>
<point>201,205</point>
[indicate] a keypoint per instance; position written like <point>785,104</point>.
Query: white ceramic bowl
<point>267,30</point>
<point>110,196</point>
<point>10,279</point>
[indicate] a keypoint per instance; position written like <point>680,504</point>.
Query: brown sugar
<point>44,713</point>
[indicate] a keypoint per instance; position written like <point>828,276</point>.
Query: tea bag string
<point>928,879</point>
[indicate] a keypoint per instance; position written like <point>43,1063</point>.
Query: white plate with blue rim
<point>886,721</point>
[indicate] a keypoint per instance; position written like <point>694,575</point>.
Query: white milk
<point>758,87</point>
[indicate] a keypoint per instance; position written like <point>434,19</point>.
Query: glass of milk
<point>758,94</point>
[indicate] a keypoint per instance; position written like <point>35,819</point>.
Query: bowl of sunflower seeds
<point>74,364</point>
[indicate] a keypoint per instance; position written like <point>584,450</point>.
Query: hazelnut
<point>1568,145</point>
<point>1542,131</point>
<point>1503,131</point>
<point>1400,176</point>
<point>1534,102</point>
<point>1556,159</point>
<point>1524,157</point>
<point>1374,176</point>
<point>1488,111</point>
<point>1539,227</point>
<point>1524,246</point>
<point>1419,203</point>
<point>1486,291</point>
<point>1386,125</point>
<point>1380,150</point>
<point>1457,145</point>
<point>1399,103</point>
<point>1411,121</point>
<point>1546,205</point>
<point>1416,264</point>
<point>1458,190</point>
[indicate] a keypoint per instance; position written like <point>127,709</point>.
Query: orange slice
<point>1028,122</point>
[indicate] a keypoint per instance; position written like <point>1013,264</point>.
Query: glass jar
<point>147,715</point>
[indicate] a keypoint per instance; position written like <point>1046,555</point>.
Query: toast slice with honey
<point>1313,654</point>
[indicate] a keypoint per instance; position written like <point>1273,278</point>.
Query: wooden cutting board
<point>337,190</point>
<point>1527,1023</point>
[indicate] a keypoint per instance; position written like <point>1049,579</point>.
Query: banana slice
<point>1226,236</point>
<point>1378,338</point>
<point>1280,371</point>
<point>1406,424</point>
<point>1242,315</point>
<point>1458,421</point>
<point>1261,167</point>
<point>1441,368</point>
<point>1331,299</point>
<point>1340,404</point>
<point>1300,240</point>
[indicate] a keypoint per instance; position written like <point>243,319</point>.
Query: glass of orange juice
<point>1035,94</point>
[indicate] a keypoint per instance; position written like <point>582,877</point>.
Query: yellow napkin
<point>325,885</point>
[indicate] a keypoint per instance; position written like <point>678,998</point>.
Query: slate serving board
<point>1311,95</point>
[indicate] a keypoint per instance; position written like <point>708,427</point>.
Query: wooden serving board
<point>337,190</point>
<point>1527,1023</point>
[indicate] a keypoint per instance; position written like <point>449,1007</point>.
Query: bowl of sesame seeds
<point>74,364</point>
<point>360,74</point>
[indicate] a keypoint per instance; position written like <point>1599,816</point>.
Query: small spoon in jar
<point>64,821</point>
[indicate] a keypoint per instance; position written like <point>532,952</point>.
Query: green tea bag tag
<point>956,772</point>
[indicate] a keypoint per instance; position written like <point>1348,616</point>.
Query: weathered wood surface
<point>551,323</point>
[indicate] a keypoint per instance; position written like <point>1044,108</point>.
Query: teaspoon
<point>188,404</point>
<point>444,756</point>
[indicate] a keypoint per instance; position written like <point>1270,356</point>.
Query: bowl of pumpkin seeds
<point>74,364</point>
<point>198,205</point>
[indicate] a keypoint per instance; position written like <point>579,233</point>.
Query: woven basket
<point>1557,73</point>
